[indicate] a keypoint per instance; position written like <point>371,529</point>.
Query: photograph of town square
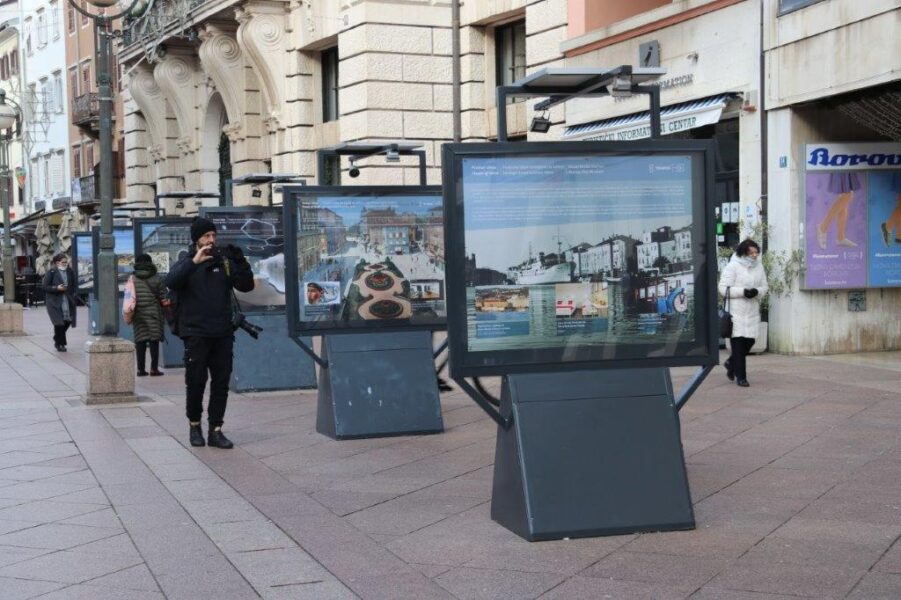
<point>384,253</point>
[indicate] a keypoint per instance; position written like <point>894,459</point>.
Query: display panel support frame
<point>375,409</point>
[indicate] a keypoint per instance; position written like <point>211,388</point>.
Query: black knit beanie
<point>200,226</point>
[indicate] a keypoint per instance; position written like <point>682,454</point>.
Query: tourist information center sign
<point>852,215</point>
<point>365,258</point>
<point>570,255</point>
<point>260,233</point>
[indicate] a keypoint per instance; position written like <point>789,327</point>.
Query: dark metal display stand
<point>599,455</point>
<point>588,452</point>
<point>392,388</point>
<point>378,385</point>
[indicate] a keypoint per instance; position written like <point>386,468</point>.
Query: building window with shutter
<point>58,160</point>
<point>70,19</point>
<point>89,158</point>
<point>42,28</point>
<point>58,91</point>
<point>28,30</point>
<point>76,161</point>
<point>73,82</point>
<point>46,98</point>
<point>45,180</point>
<point>54,19</point>
<point>329,62</point>
<point>35,178</point>
<point>85,78</point>
<point>4,68</point>
<point>14,62</point>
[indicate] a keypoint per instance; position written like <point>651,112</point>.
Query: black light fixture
<point>540,123</point>
<point>353,171</point>
<point>392,155</point>
<point>256,192</point>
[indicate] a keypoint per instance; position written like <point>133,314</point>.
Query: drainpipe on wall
<point>764,154</point>
<point>455,69</point>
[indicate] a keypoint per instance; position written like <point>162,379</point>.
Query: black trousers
<point>738,360</point>
<point>213,355</point>
<point>59,333</point>
<point>141,355</point>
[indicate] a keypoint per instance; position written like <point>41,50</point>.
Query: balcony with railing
<point>86,111</point>
<point>89,190</point>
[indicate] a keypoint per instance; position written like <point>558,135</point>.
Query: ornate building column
<point>178,76</point>
<point>263,37</point>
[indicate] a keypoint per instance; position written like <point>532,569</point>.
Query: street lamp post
<point>110,359</point>
<point>107,267</point>
<point>9,113</point>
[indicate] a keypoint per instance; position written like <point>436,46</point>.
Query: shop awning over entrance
<point>673,118</point>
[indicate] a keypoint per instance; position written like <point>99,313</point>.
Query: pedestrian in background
<point>743,282</point>
<point>148,315</point>
<point>59,298</point>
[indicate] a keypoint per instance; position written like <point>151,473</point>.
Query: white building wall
<point>49,150</point>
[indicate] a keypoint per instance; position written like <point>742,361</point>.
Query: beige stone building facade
<point>242,87</point>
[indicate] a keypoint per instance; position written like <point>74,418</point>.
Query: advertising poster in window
<point>581,252</point>
<point>259,232</point>
<point>852,217</point>
<point>370,260</point>
<point>165,242</point>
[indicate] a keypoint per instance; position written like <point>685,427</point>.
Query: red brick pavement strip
<point>795,482</point>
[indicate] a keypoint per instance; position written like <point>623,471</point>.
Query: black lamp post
<point>9,115</point>
<point>107,286</point>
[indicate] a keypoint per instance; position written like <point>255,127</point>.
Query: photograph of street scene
<point>259,232</point>
<point>84,262</point>
<point>382,255</point>
<point>166,243</point>
<point>600,248</point>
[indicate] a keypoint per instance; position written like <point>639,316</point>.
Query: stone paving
<point>796,484</point>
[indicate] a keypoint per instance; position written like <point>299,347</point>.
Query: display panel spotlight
<point>353,171</point>
<point>256,192</point>
<point>392,155</point>
<point>540,124</point>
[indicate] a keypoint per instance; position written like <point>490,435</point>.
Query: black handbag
<point>725,317</point>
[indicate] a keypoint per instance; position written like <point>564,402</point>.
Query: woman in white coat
<point>743,282</point>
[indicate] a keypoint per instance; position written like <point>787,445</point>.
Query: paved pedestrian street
<point>796,483</point>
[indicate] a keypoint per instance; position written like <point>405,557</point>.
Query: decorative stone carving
<point>149,98</point>
<point>223,62</point>
<point>234,132</point>
<point>262,35</point>
<point>156,153</point>
<point>185,146</point>
<point>177,76</point>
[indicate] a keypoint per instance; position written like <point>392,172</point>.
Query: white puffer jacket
<point>745,311</point>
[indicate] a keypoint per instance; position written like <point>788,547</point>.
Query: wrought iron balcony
<point>89,190</point>
<point>86,111</point>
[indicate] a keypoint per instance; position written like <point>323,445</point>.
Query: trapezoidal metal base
<point>378,385</point>
<point>590,453</point>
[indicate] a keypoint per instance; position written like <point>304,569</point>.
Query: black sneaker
<point>197,436</point>
<point>443,385</point>
<point>729,372</point>
<point>142,373</point>
<point>217,439</point>
<point>743,383</point>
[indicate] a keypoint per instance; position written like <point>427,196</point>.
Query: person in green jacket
<point>148,318</point>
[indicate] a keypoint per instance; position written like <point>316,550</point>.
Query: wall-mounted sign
<point>852,215</point>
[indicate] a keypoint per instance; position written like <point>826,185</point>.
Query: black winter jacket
<point>204,294</point>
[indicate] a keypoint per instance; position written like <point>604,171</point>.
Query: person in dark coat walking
<point>203,282</point>
<point>59,298</point>
<point>148,318</point>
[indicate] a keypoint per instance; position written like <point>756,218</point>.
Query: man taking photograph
<point>203,281</point>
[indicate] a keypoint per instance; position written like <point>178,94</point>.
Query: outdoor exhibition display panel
<point>83,261</point>
<point>367,273</point>
<point>166,240</point>
<point>579,272</point>
<point>851,238</point>
<point>272,362</point>
<point>86,267</point>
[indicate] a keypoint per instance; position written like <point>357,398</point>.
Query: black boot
<point>197,436</point>
<point>729,372</point>
<point>217,439</point>
<point>743,383</point>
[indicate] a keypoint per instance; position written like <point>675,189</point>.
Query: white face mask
<point>748,261</point>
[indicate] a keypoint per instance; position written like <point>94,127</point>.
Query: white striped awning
<point>673,118</point>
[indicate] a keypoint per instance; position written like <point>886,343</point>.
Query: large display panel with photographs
<point>259,231</point>
<point>123,238</point>
<point>366,258</point>
<point>578,255</point>
<point>83,260</point>
<point>166,240</point>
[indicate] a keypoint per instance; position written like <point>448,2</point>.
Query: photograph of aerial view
<point>385,254</point>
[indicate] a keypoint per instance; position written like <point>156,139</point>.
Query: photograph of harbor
<point>599,263</point>
<point>385,254</point>
<point>259,232</point>
<point>501,311</point>
<point>84,262</point>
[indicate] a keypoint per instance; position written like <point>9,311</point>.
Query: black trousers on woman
<point>59,333</point>
<point>140,355</point>
<point>737,361</point>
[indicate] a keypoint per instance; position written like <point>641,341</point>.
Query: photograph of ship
<point>602,258</point>
<point>386,254</point>
<point>259,232</point>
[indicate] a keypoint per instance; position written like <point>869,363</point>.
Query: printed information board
<point>259,232</point>
<point>852,216</point>
<point>166,240</point>
<point>583,253</point>
<point>83,260</point>
<point>366,258</point>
